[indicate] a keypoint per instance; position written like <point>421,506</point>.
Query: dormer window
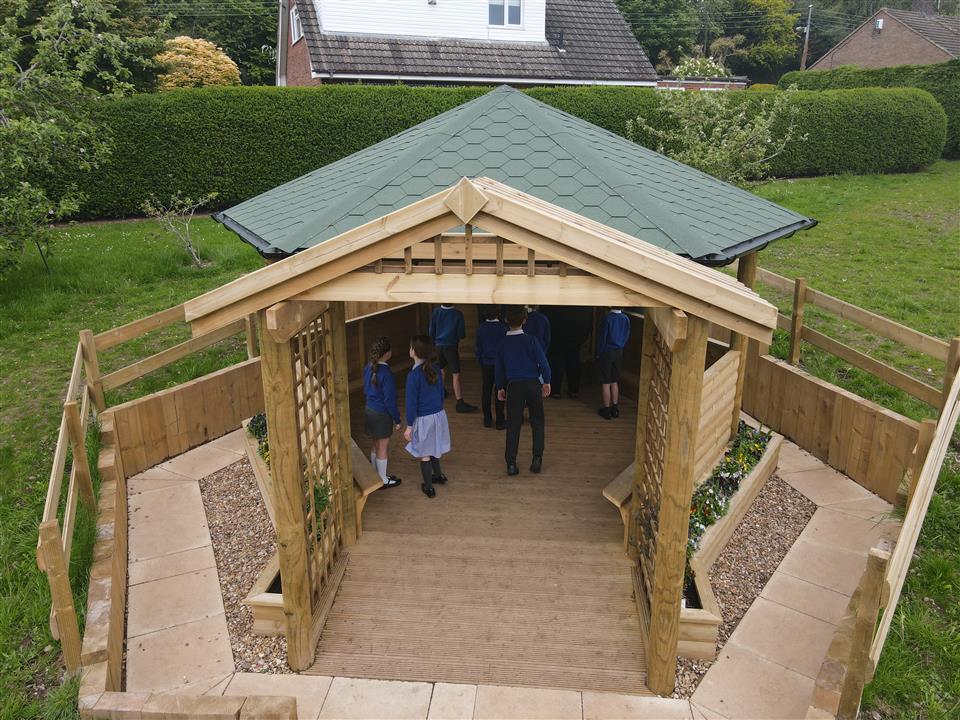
<point>296,29</point>
<point>505,12</point>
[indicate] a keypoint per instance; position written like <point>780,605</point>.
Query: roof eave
<point>733,252</point>
<point>268,251</point>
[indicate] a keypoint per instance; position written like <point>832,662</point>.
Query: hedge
<point>941,80</point>
<point>241,141</point>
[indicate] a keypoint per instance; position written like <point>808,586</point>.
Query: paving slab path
<point>177,638</point>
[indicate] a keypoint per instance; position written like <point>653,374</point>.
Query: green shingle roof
<point>508,136</point>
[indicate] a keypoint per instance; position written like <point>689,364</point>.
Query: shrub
<point>241,141</point>
<point>870,130</point>
<point>941,80</point>
<point>762,87</point>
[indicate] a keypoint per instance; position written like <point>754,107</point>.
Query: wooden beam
<point>279,393</point>
<point>286,319</point>
<point>682,429</point>
<point>746,274</point>
<point>112,338</point>
<point>250,332</point>
<point>438,255</point>
<point>478,289</point>
<point>337,319</point>
<point>671,324</point>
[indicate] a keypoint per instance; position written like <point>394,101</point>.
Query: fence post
<point>924,441</point>
<point>91,368</point>
<point>250,327</point>
<point>61,595</point>
<point>796,320</point>
<point>863,629</point>
<point>950,371</point>
<point>79,445</point>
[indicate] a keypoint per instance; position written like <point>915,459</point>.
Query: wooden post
<point>682,429</point>
<point>499,270</point>
<point>928,429</point>
<point>531,263</point>
<point>91,368</point>
<point>438,255</point>
<point>408,259</point>
<point>643,400</point>
<point>341,413</point>
<point>78,442</point>
<point>746,274</point>
<point>56,567</point>
<point>250,329</point>
<point>796,320</point>
<point>468,249</point>
<point>863,629</point>
<point>279,396</point>
<point>950,371</point>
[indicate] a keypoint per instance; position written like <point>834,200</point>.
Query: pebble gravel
<point>762,539</point>
<point>243,542</point>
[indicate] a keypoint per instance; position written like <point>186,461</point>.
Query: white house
<point>520,42</point>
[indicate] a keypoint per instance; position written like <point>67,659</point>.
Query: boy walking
<point>520,365</point>
<point>614,333</point>
<point>489,334</point>
<point>447,329</point>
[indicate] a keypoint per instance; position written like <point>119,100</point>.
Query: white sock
<point>382,468</point>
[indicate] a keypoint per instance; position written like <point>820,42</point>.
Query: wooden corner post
<point>682,427</point>
<point>746,274</point>
<point>91,368</point>
<point>341,403</point>
<point>643,401</point>
<point>283,436</point>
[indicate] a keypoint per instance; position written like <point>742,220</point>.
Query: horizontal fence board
<point>116,336</point>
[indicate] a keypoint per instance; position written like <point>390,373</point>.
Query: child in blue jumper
<point>447,329</point>
<point>490,332</point>
<point>381,415</point>
<point>613,336</point>
<point>538,325</point>
<point>521,364</point>
<point>427,433</point>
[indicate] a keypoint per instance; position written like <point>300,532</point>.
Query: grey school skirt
<point>378,425</point>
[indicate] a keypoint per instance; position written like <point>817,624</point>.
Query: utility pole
<point>806,39</point>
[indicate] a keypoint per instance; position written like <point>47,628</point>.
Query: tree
<point>192,62</point>
<point>54,62</point>
<point>768,29</point>
<point>245,29</point>
<point>666,29</point>
<point>719,133</point>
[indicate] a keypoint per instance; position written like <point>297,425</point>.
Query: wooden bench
<point>366,480</point>
<point>619,492</point>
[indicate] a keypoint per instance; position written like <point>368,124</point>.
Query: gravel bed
<point>762,539</point>
<point>243,542</point>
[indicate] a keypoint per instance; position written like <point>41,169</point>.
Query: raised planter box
<point>260,470</point>
<point>265,600</point>
<point>699,627</point>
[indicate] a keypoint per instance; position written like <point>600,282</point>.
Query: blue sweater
<point>520,357</point>
<point>446,326</point>
<point>614,332</point>
<point>422,398</point>
<point>538,325</point>
<point>489,335</point>
<point>381,397</point>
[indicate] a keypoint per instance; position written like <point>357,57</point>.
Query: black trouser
<point>489,391</point>
<point>565,361</point>
<point>522,393</point>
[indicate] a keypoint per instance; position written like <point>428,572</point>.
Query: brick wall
<point>298,65</point>
<point>896,44</point>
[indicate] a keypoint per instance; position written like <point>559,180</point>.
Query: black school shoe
<point>512,469</point>
<point>428,490</point>
<point>488,422</point>
<point>464,407</point>
<point>537,463</point>
<point>392,481</point>
<point>605,413</point>
<point>440,479</point>
<point>615,410</point>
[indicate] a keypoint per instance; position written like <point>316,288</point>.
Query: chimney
<point>927,7</point>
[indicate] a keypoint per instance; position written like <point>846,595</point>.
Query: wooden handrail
<point>118,335</point>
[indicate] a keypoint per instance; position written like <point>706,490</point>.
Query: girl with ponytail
<point>427,433</point>
<point>381,415</point>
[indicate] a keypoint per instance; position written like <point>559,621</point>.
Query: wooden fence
<point>858,642</point>
<point>948,353</point>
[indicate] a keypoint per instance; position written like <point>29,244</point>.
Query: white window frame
<point>296,27</point>
<point>506,14</point>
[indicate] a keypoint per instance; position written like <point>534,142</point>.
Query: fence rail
<point>949,353</point>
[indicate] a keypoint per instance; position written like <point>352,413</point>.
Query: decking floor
<point>512,581</point>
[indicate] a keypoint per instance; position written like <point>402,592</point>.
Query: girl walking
<point>381,415</point>
<point>427,433</point>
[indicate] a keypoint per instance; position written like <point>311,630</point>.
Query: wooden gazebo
<point>514,248</point>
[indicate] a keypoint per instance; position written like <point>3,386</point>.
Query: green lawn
<point>887,243</point>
